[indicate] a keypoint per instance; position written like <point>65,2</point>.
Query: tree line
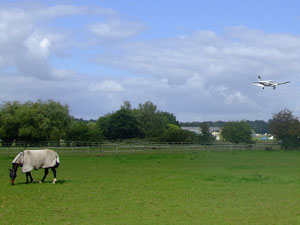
<point>51,121</point>
<point>284,126</point>
<point>33,121</point>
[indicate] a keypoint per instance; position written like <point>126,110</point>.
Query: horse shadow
<point>45,182</point>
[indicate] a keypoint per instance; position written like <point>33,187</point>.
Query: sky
<point>195,59</point>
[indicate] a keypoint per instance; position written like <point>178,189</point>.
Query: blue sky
<point>195,59</point>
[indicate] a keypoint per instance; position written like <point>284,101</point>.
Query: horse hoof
<point>54,181</point>
<point>40,182</point>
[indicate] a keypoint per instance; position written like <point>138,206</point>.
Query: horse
<point>34,159</point>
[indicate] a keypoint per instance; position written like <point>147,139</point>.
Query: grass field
<point>182,188</point>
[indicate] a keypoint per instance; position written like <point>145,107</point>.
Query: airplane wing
<point>257,84</point>
<point>286,82</point>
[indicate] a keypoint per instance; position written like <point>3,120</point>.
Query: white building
<point>215,131</point>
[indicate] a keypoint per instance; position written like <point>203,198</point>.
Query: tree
<point>150,123</point>
<point>168,118</point>
<point>286,128</point>
<point>33,121</point>
<point>259,126</point>
<point>94,133</point>
<point>143,122</point>
<point>126,105</point>
<point>58,118</point>
<point>103,124</point>
<point>176,134</point>
<point>205,135</point>
<point>80,130</point>
<point>9,124</point>
<point>121,124</point>
<point>237,132</point>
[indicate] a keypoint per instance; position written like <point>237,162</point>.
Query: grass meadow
<point>257,187</point>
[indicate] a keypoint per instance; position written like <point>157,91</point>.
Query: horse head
<point>12,175</point>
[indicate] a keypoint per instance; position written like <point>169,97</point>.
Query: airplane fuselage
<point>268,83</point>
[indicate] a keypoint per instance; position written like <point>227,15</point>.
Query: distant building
<point>193,129</point>
<point>215,131</point>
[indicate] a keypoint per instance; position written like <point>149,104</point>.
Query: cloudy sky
<point>193,58</point>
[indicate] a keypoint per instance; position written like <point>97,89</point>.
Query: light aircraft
<point>268,83</point>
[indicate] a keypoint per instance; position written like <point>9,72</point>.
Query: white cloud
<point>209,55</point>
<point>106,86</point>
<point>115,29</point>
<point>26,45</point>
<point>38,45</point>
<point>27,42</point>
<point>58,11</point>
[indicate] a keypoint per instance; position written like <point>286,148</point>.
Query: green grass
<point>182,188</point>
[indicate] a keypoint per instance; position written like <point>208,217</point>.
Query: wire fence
<point>102,148</point>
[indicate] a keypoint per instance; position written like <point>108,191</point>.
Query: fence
<point>98,148</point>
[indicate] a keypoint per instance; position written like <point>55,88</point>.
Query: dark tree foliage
<point>205,135</point>
<point>237,132</point>
<point>150,122</point>
<point>80,130</point>
<point>176,134</point>
<point>123,125</point>
<point>258,126</point>
<point>9,125</point>
<point>119,125</point>
<point>286,128</point>
<point>143,122</point>
<point>168,118</point>
<point>33,121</point>
<point>103,124</point>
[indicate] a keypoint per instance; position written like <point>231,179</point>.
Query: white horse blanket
<point>36,159</point>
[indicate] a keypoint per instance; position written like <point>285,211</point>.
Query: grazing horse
<point>34,159</point>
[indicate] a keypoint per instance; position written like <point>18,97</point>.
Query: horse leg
<point>27,175</point>
<point>45,175</point>
<point>54,174</point>
<point>31,179</point>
